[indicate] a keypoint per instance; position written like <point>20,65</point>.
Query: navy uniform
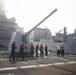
<point>32,50</point>
<point>58,49</point>
<point>37,47</point>
<point>12,54</point>
<point>46,51</point>
<point>21,51</point>
<point>62,49</point>
<point>41,50</point>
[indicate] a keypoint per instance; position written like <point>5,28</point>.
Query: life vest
<point>45,47</point>
<point>62,46</point>
<point>41,47</point>
<point>22,46</point>
<point>13,45</point>
<point>31,46</point>
<point>37,47</point>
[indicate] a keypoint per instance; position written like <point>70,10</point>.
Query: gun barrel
<point>41,21</point>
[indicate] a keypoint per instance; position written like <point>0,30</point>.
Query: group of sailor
<point>37,48</point>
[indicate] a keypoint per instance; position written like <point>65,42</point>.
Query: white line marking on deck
<point>41,65</point>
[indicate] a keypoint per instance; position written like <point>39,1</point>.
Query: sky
<point>29,13</point>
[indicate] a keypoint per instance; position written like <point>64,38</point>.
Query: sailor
<point>37,47</point>
<point>46,51</point>
<point>32,50</point>
<point>21,51</point>
<point>12,54</point>
<point>58,49</point>
<point>41,50</point>
<point>62,49</point>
